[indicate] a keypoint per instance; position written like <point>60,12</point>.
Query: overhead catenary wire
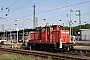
<point>54,8</point>
<point>8,7</point>
<point>14,3</point>
<point>11,4</point>
<point>26,4</point>
<point>21,6</point>
<point>51,9</point>
<point>38,2</point>
<point>64,7</point>
<point>58,8</point>
<point>18,7</point>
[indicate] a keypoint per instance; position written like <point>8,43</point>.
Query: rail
<point>45,54</point>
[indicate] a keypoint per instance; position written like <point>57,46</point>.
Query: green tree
<point>76,29</point>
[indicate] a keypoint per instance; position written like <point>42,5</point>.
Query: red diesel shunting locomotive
<point>50,37</point>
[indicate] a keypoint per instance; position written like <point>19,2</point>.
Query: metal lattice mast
<point>34,18</point>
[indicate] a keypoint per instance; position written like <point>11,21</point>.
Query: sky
<point>51,10</point>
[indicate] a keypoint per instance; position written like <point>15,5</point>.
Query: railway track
<point>41,54</point>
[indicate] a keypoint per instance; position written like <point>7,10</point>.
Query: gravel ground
<point>82,47</point>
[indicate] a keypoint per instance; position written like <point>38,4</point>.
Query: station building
<point>12,35</point>
<point>85,34</point>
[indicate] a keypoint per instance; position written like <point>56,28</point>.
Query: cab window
<point>43,29</point>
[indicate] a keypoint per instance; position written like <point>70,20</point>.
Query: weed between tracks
<point>19,57</point>
<point>81,54</point>
<point>82,44</point>
<point>16,57</point>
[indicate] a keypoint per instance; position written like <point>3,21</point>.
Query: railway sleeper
<point>82,51</point>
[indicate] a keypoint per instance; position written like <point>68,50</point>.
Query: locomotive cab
<point>45,34</point>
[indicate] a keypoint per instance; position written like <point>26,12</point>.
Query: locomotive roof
<point>56,25</point>
<point>52,26</point>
